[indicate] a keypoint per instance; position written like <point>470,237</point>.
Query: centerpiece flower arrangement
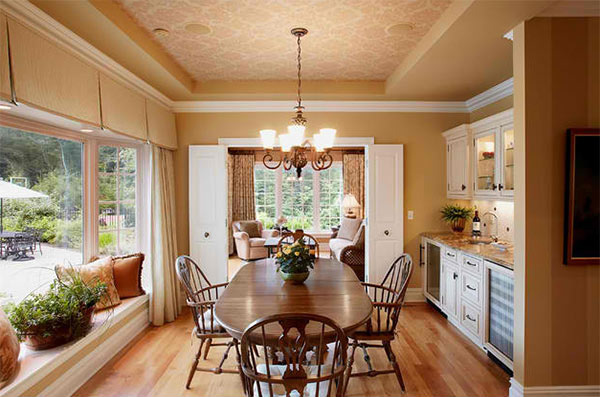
<point>294,262</point>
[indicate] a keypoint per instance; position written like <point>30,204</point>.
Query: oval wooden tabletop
<point>256,291</point>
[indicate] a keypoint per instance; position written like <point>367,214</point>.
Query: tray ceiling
<point>250,39</point>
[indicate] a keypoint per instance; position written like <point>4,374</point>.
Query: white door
<point>208,210</point>
<point>458,164</point>
<point>385,208</point>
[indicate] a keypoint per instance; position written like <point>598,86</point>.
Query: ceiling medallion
<point>294,150</point>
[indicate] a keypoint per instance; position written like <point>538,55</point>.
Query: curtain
<point>354,178</point>
<point>240,173</point>
<point>166,299</point>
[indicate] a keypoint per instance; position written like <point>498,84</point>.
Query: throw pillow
<point>9,350</point>
<point>127,271</point>
<point>348,228</point>
<point>100,270</point>
<point>250,227</point>
<point>359,238</point>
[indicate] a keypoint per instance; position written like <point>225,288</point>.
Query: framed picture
<point>582,201</point>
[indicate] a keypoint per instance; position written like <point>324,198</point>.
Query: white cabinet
<point>457,162</point>
<point>479,159</point>
<point>492,165</point>
<point>450,288</point>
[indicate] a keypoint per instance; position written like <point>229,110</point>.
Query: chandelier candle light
<point>296,151</point>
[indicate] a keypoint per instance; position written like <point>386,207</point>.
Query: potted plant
<point>294,262</point>
<point>456,216</point>
<point>55,317</point>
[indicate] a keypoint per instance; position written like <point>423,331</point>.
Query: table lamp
<point>349,204</point>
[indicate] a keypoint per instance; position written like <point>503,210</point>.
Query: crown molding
<point>319,106</point>
<point>492,95</point>
<point>35,19</point>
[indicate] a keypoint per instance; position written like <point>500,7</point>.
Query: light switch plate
<point>411,214</point>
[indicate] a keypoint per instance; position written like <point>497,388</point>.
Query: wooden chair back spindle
<point>292,237</point>
<point>286,351</point>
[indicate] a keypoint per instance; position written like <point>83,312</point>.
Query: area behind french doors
<point>208,204</point>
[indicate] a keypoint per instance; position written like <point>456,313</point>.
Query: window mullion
<point>278,192</point>
<point>316,201</point>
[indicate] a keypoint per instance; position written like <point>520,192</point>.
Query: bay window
<point>312,203</point>
<point>77,176</point>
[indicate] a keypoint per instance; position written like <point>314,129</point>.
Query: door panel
<point>208,210</point>
<point>385,231</point>
<point>450,277</point>
<point>458,166</point>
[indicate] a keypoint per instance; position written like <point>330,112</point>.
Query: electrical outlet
<point>411,214</point>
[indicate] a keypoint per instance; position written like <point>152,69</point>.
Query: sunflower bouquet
<point>294,262</point>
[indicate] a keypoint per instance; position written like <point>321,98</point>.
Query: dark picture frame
<point>582,197</point>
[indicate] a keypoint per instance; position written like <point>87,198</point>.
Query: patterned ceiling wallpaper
<point>250,39</point>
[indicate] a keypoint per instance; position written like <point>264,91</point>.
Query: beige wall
<point>424,164</point>
<point>557,334</point>
<point>491,109</point>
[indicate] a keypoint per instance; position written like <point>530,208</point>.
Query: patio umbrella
<point>11,191</point>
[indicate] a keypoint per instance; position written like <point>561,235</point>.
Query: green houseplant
<point>456,216</point>
<point>61,314</point>
<point>294,262</point>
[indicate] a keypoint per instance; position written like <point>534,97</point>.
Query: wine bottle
<point>476,224</point>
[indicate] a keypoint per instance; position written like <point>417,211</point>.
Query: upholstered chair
<point>250,239</point>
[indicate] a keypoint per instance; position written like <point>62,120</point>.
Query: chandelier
<point>294,150</point>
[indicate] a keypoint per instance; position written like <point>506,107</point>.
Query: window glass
<point>264,194</point>
<point>117,168</point>
<point>38,233</point>
<point>297,199</point>
<point>280,192</point>
<point>331,191</point>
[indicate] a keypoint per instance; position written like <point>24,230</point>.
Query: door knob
<point>386,232</point>
<point>206,234</point>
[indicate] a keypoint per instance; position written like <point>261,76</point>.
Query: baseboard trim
<point>517,390</point>
<point>70,381</point>
<point>414,295</point>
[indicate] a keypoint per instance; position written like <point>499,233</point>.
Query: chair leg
<point>392,357</point>
<point>238,359</point>
<point>208,343</point>
<point>349,369</point>
<point>194,365</point>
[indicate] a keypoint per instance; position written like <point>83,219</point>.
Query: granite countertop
<point>461,242</point>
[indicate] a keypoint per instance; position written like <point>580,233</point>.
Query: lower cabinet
<point>476,295</point>
<point>450,288</point>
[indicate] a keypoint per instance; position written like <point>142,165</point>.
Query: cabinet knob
<point>463,187</point>
<point>386,232</point>
<point>494,186</point>
<point>454,276</point>
<point>500,187</point>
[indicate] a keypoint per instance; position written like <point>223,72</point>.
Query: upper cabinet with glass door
<point>493,160</point>
<point>479,159</point>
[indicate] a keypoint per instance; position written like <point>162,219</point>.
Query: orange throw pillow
<point>100,270</point>
<point>127,272</point>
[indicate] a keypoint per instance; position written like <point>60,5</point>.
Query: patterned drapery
<point>240,171</point>
<point>354,178</point>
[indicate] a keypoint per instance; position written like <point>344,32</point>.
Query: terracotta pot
<point>36,341</point>
<point>294,278</point>
<point>459,225</point>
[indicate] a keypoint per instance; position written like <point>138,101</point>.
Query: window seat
<point>62,370</point>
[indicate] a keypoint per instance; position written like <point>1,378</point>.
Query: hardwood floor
<point>436,360</point>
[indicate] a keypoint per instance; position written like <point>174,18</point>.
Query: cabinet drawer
<point>470,318</point>
<point>472,264</point>
<point>451,254</point>
<point>471,288</point>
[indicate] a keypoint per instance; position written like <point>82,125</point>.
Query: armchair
<point>250,239</point>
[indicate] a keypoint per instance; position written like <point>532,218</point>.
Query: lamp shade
<point>350,201</point>
<point>296,132</point>
<point>268,138</point>
<point>285,140</point>
<point>328,137</point>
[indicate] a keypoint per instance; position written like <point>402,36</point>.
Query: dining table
<point>257,291</point>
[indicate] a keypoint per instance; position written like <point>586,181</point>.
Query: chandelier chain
<point>299,73</point>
